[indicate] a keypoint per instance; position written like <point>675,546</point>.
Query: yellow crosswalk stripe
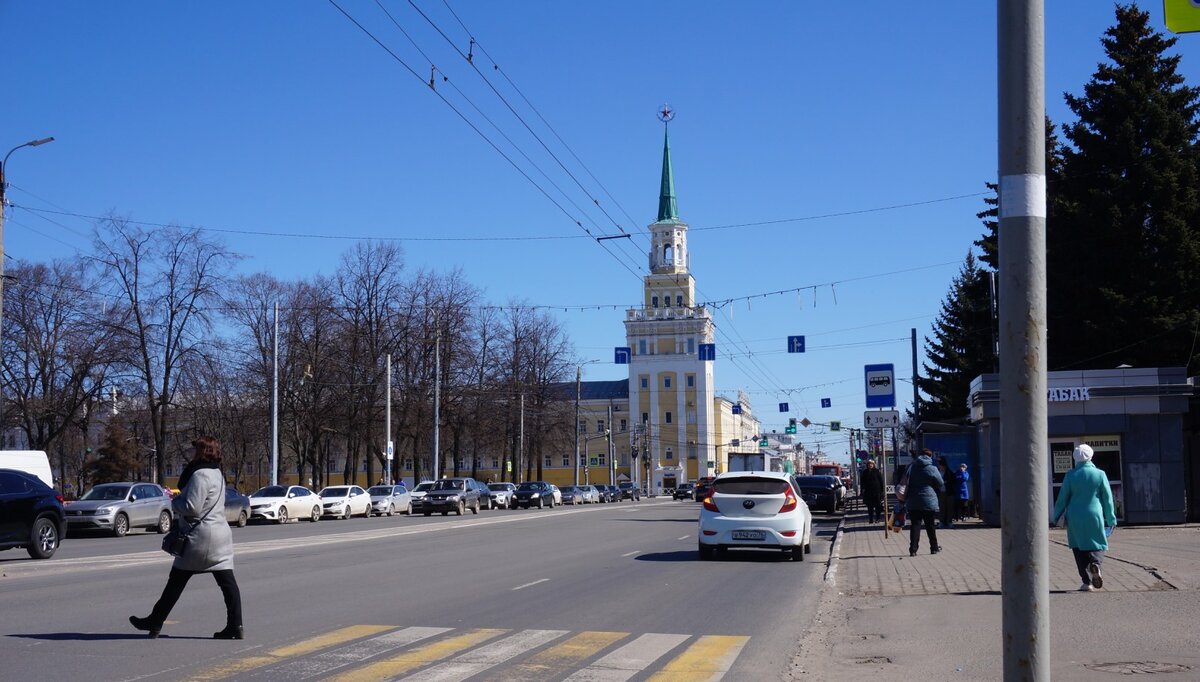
<point>708,659</point>
<point>411,660</point>
<point>308,646</point>
<point>559,658</point>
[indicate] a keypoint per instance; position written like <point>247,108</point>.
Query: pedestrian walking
<point>962,501</point>
<point>201,504</point>
<point>1086,500</point>
<point>946,497</point>
<point>921,498</point>
<point>870,482</point>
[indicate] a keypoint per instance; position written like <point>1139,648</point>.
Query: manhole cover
<point>1138,668</point>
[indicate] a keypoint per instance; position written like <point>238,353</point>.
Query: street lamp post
<point>3,205</point>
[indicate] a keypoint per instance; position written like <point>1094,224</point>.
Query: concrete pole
<point>437,395</point>
<point>388,424</point>
<point>1025,566</point>
<point>275,404</point>
<point>578,388</point>
<point>520,442</point>
<point>612,465</point>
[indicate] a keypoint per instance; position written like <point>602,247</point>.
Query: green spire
<point>667,210</point>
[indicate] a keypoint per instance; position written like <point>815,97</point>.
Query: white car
<point>344,501</point>
<point>501,494</point>
<point>281,503</point>
<point>420,491</point>
<point>757,510</point>
<point>390,499</point>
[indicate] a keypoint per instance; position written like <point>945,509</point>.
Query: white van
<point>33,462</point>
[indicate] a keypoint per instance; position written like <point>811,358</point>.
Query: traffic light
<point>791,427</point>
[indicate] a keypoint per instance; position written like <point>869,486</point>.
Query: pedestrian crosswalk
<point>362,653</point>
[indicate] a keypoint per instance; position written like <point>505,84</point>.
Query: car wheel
<point>120,525</point>
<point>346,512</point>
<point>808,540</point>
<point>797,553</point>
<point>707,552</point>
<point>475,509</point>
<point>462,508</point>
<point>243,519</point>
<point>391,509</point>
<point>408,510</point>
<point>283,515</point>
<point>445,513</point>
<point>164,522</point>
<point>43,539</point>
<point>316,514</point>
<point>428,513</point>
<point>541,503</point>
<point>831,508</point>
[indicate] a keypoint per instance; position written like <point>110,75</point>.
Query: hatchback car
<point>684,491</point>
<point>237,507</point>
<point>344,501</point>
<point>534,494</point>
<point>818,492</point>
<point>31,514</point>
<point>390,499</point>
<point>759,510</point>
<point>501,494</point>
<point>120,507</point>
<point>281,503</point>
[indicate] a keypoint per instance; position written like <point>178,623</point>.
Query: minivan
<point>34,462</point>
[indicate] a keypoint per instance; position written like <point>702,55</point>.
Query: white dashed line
<point>521,587</point>
<point>630,553</point>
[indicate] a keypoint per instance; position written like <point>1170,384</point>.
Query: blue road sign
<point>826,402</point>
<point>795,344</point>
<point>621,355</point>
<point>707,351</point>
<point>737,408</point>
<point>783,407</point>
<point>880,382</point>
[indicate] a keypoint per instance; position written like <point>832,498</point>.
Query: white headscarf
<point>1083,453</point>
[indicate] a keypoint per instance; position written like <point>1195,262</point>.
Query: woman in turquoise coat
<point>1086,499</point>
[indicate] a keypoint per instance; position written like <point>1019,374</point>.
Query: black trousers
<point>874,508</point>
<point>916,518</point>
<point>1085,558</point>
<point>179,580</point>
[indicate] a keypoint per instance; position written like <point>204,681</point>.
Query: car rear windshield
<point>380,490</point>
<point>107,492</point>
<point>749,485</point>
<point>270,491</point>
<point>335,492</point>
<point>814,481</point>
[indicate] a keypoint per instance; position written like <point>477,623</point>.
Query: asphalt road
<point>595,592</point>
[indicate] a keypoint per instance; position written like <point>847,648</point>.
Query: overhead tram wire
<point>481,134</point>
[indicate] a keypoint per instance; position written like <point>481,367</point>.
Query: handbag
<point>902,486</point>
<point>176,542</point>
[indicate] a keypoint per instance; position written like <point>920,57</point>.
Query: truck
<point>829,469</point>
<point>747,461</point>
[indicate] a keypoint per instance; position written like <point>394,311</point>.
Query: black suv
<point>684,491</point>
<point>31,514</point>
<point>452,495</point>
<point>629,491</point>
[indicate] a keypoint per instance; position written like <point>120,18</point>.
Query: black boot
<point>146,624</point>
<point>230,632</point>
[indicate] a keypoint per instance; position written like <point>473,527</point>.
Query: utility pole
<point>437,393</point>
<point>388,422</point>
<point>578,388</point>
<point>612,465</point>
<point>520,441</point>
<point>916,375</point>
<point>1024,550</point>
<point>275,404</point>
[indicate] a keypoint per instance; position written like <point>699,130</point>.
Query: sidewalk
<point>938,617</point>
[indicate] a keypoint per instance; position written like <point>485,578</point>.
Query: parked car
<point>590,494</point>
<point>703,487</point>
<point>418,493</point>
<point>501,494</point>
<point>120,507</point>
<point>485,495</point>
<point>608,493</point>
<point>818,492</point>
<point>344,501</point>
<point>451,495</point>
<point>572,495</point>
<point>757,510</point>
<point>281,503</point>
<point>684,491</point>
<point>629,491</point>
<point>31,514</point>
<point>237,507</point>
<point>389,499</point>
<point>535,494</point>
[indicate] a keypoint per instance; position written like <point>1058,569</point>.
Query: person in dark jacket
<point>945,497</point>
<point>201,505</point>
<point>921,498</point>
<point>871,484</point>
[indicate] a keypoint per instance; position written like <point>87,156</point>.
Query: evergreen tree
<point>116,458</point>
<point>1124,253</point>
<point>961,347</point>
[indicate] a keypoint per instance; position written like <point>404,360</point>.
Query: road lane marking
<point>630,553</point>
<point>708,659</point>
<point>629,660</point>
<point>686,537</point>
<point>536,582</point>
<point>329,639</point>
<point>479,660</point>
<point>559,658</point>
<point>332,660</point>
<point>408,661</point>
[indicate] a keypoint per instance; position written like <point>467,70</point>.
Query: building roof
<point>668,212</point>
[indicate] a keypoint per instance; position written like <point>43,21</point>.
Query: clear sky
<point>836,147</point>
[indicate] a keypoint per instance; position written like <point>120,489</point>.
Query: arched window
<point>668,255</point>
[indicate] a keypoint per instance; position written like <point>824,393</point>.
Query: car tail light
<point>59,498</point>
<point>789,503</point>
<point>710,505</point>
<point>788,533</point>
<point>710,532</point>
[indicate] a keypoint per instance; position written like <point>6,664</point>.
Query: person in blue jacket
<point>962,496</point>
<point>1086,499</point>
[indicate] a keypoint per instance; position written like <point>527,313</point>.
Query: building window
<point>566,460</point>
<point>667,301</point>
<point>691,345</point>
<point>599,426</point>
<point>602,459</point>
<point>679,301</point>
<point>548,461</point>
<point>668,418</point>
<point>691,417</point>
<point>495,462</point>
<point>645,380</point>
<point>645,417</point>
<point>408,464</point>
<point>583,426</point>
<point>667,381</point>
<point>691,451</point>
<point>670,454</point>
<point>642,348</point>
<point>654,301</point>
<point>623,427</point>
<point>691,378</point>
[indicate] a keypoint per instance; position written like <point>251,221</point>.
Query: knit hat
<point>1083,453</point>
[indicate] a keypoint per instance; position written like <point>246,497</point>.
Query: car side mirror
<point>290,495</point>
<point>133,498</point>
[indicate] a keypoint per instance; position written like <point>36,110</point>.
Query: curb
<point>835,552</point>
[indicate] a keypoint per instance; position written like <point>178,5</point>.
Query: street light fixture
<point>3,205</point>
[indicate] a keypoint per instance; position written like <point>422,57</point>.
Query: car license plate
<point>748,535</point>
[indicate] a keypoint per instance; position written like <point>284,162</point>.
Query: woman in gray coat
<point>921,498</point>
<point>201,504</point>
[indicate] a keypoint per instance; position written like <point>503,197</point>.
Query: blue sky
<point>815,118</point>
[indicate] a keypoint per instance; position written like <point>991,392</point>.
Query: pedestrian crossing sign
<point>1182,16</point>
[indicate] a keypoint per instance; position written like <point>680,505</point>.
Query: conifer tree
<point>116,458</point>
<point>961,347</point>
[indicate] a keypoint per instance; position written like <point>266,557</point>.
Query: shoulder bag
<point>902,486</point>
<point>176,542</point>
